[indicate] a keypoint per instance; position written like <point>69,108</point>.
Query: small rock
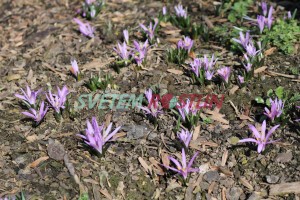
<point>211,176</point>
<point>234,193</point>
<point>227,183</point>
<point>284,157</point>
<point>272,178</point>
<point>254,196</point>
<point>56,150</point>
<point>137,131</point>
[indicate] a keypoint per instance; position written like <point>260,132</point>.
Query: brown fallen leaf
<point>175,71</point>
<point>217,116</point>
<point>261,69</point>
<point>196,132</point>
<point>224,158</point>
<point>246,183</point>
<point>38,161</point>
<point>223,193</point>
<point>156,166</point>
<point>284,188</point>
<point>233,89</point>
<point>145,165</point>
<point>270,51</point>
<point>106,194</point>
<point>165,159</point>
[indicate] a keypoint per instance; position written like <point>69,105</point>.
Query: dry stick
<point>285,188</point>
<point>283,75</point>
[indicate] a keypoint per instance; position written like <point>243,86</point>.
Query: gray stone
<point>234,193</point>
<point>272,179</point>
<point>136,131</point>
<point>284,157</point>
<point>211,176</point>
<point>254,196</point>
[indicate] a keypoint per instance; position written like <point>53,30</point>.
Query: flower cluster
<point>224,73</point>
<point>96,136</point>
<point>276,109</point>
<point>150,30</point>
<point>186,44</point>
<point>263,20</point>
<point>85,28</point>
<point>203,68</point>
<point>154,108</point>
<point>37,113</point>
<point>138,52</point>
<point>180,11</point>
<point>91,8</point>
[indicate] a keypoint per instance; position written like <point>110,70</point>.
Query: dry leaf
<point>217,116</point>
<point>246,183</point>
<point>223,193</point>
<point>270,51</point>
<point>145,165</point>
<point>196,132</point>
<point>224,158</point>
<point>233,89</point>
<point>165,159</point>
<point>106,194</point>
<point>38,161</point>
<point>175,71</point>
<point>259,70</point>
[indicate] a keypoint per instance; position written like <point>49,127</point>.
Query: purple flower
<point>180,12</point>
<point>209,74</point>
<point>122,51</point>
<point>183,168</point>
<point>164,10</point>
<point>264,8</point>
<point>185,136</point>
<point>244,39</point>
<point>276,109</point>
<point>29,96</point>
<point>153,107</point>
<point>140,52</point>
<point>186,43</point>
<point>126,36</point>
<point>208,64</point>
<point>74,68</point>
<point>261,139</point>
<point>289,15</point>
<point>270,18</point>
<point>195,65</point>
<point>186,109</point>
<point>58,100</point>
<point>96,136</point>
<point>224,73</point>
<point>37,116</point>
<point>261,23</point>
<point>248,65</point>
<point>150,30</point>
<point>88,2</point>
<point>241,79</point>
<point>251,50</point>
<point>85,28</point>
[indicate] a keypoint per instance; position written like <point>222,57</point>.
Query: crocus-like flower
<point>58,100</point>
<point>140,52</point>
<point>29,96</point>
<point>185,136</point>
<point>89,1</point>
<point>241,79</point>
<point>74,68</point>
<point>244,39</point>
<point>209,64</point>
<point>122,51</point>
<point>248,65</point>
<point>264,8</point>
<point>126,36</point>
<point>187,108</point>
<point>289,15</point>
<point>261,23</point>
<point>164,10</point>
<point>209,74</point>
<point>180,12</point>
<point>276,109</point>
<point>37,116</point>
<point>183,168</point>
<point>96,137</point>
<point>8,198</point>
<point>195,65</point>
<point>270,18</point>
<point>251,50</point>
<point>186,43</point>
<point>153,107</point>
<point>85,28</point>
<point>261,139</point>
<point>150,30</point>
<point>224,73</point>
